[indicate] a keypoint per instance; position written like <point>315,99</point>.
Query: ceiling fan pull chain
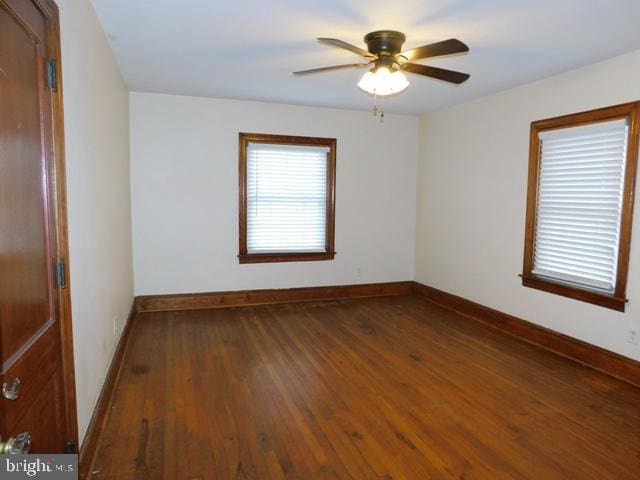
<point>377,110</point>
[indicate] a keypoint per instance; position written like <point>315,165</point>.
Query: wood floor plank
<point>376,388</point>
<point>297,378</point>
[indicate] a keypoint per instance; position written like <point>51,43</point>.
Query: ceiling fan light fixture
<point>383,82</point>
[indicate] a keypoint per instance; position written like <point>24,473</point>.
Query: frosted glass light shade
<point>383,82</point>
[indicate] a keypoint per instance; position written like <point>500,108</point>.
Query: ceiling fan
<point>384,53</point>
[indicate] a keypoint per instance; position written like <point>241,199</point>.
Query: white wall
<point>472,196</point>
<point>97,158</point>
<point>184,154</point>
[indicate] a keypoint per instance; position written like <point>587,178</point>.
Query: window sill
<point>284,257</point>
<point>601,299</point>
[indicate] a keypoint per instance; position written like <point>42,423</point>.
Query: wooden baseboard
<point>99,417</point>
<point>194,301</point>
<point>595,357</point>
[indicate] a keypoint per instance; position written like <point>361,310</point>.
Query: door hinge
<point>52,76</point>
<point>70,447</point>
<point>61,273</point>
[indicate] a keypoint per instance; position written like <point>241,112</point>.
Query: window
<point>580,199</point>
<point>287,187</point>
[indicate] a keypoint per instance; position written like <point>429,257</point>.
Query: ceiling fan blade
<point>326,69</point>
<point>446,47</point>
<point>433,72</point>
<point>347,46</point>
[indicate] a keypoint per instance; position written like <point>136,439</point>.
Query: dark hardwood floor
<point>378,388</point>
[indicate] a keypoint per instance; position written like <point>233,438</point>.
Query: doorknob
<point>11,391</point>
<point>17,445</point>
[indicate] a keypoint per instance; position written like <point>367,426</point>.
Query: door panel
<point>30,330</point>
<point>34,369</point>
<point>25,298</point>
<point>42,419</point>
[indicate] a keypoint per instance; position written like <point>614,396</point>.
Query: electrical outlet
<point>359,272</point>
<point>633,336</point>
<point>115,325</point>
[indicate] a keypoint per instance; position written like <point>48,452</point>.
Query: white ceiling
<point>247,49</point>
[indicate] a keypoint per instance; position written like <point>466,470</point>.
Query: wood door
<point>36,367</point>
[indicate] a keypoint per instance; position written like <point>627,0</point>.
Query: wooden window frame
<point>617,300</point>
<point>328,254</point>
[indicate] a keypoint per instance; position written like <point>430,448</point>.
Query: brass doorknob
<point>17,445</point>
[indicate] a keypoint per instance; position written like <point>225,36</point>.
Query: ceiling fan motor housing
<point>386,44</point>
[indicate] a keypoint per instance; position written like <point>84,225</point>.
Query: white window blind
<point>580,187</point>
<point>286,198</point>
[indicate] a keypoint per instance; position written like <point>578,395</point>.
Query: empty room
<point>296,239</point>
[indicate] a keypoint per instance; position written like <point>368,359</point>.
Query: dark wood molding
<point>617,299</point>
<point>285,257</point>
<point>243,142</point>
<point>195,301</point>
<point>57,197</point>
<point>559,288</point>
<point>101,410</point>
<point>608,362</point>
